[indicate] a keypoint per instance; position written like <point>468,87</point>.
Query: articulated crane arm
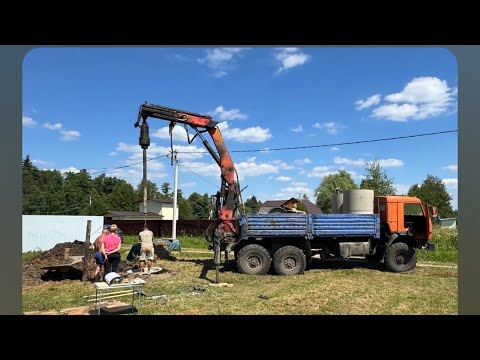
<point>224,232</point>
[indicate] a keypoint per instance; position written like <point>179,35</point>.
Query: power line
<point>200,176</point>
<point>328,145</point>
<point>287,148</point>
<point>124,166</point>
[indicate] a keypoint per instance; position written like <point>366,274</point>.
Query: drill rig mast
<point>223,232</point>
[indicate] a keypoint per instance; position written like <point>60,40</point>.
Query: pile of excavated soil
<point>33,274</point>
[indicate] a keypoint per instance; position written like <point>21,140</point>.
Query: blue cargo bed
<point>309,226</point>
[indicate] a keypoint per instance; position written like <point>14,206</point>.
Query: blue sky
<point>80,104</point>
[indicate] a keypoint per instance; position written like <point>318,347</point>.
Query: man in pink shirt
<point>112,243</point>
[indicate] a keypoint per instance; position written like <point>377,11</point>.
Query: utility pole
<point>175,181</point>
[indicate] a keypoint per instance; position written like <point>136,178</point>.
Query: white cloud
<point>395,112</point>
<point>298,129</point>
<point>331,127</point>
<point>202,168</point>
<point>346,161</point>
<point>282,165</point>
<point>56,126</point>
<point>113,153</point>
<point>370,101</point>
<point>134,173</point>
<point>302,162</point>
<point>452,168</point>
<point>355,175</point>
<point>321,171</point>
<point>178,133</point>
<point>252,134</point>
<point>187,184</point>
<point>69,135</point>
<point>290,58</point>
<point>224,114</point>
<point>219,73</point>
<point>181,58</point>
<point>283,178</point>
<point>28,122</point>
<point>421,98</point>
<point>248,168</point>
<point>66,135</point>
<point>221,60</point>
<point>451,184</point>
<point>402,189</point>
<point>334,148</point>
<point>72,169</point>
<point>391,162</point>
<point>295,190</point>
<point>39,162</point>
<point>185,152</point>
<point>251,168</point>
<point>362,162</point>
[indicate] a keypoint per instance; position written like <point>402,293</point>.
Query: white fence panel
<point>43,232</point>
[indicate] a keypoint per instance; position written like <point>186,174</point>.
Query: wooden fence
<point>163,228</point>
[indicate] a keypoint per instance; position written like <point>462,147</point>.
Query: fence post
<point>87,248</point>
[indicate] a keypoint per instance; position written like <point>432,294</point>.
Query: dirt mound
<point>33,273</point>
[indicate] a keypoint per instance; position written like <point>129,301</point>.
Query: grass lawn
<point>329,287</point>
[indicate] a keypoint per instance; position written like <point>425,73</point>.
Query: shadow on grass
<point>317,264</point>
<point>345,264</point>
<point>208,264</point>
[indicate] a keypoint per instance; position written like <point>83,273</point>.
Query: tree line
<point>49,192</point>
<point>432,190</point>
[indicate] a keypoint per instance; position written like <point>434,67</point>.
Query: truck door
<point>415,220</point>
<point>392,217</point>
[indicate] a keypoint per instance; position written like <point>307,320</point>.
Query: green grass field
<point>332,288</point>
<point>329,287</point>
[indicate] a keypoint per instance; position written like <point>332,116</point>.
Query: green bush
<point>446,241</point>
<point>30,254</point>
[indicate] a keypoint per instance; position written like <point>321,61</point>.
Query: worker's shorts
<point>146,253</point>
<point>99,258</point>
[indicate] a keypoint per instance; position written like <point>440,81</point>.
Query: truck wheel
<point>400,257</point>
<point>289,260</point>
<point>253,259</point>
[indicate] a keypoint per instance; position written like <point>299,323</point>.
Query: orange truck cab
<point>404,215</point>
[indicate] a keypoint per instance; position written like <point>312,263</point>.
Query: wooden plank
<point>43,312</point>
<point>87,248</point>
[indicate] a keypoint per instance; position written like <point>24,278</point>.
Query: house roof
<point>311,207</point>
<point>270,204</point>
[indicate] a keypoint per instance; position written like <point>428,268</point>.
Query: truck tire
<point>400,257</point>
<point>253,259</point>
<point>289,260</point>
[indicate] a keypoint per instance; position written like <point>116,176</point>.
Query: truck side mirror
<point>434,211</point>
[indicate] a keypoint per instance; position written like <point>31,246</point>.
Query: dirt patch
<point>34,275</point>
